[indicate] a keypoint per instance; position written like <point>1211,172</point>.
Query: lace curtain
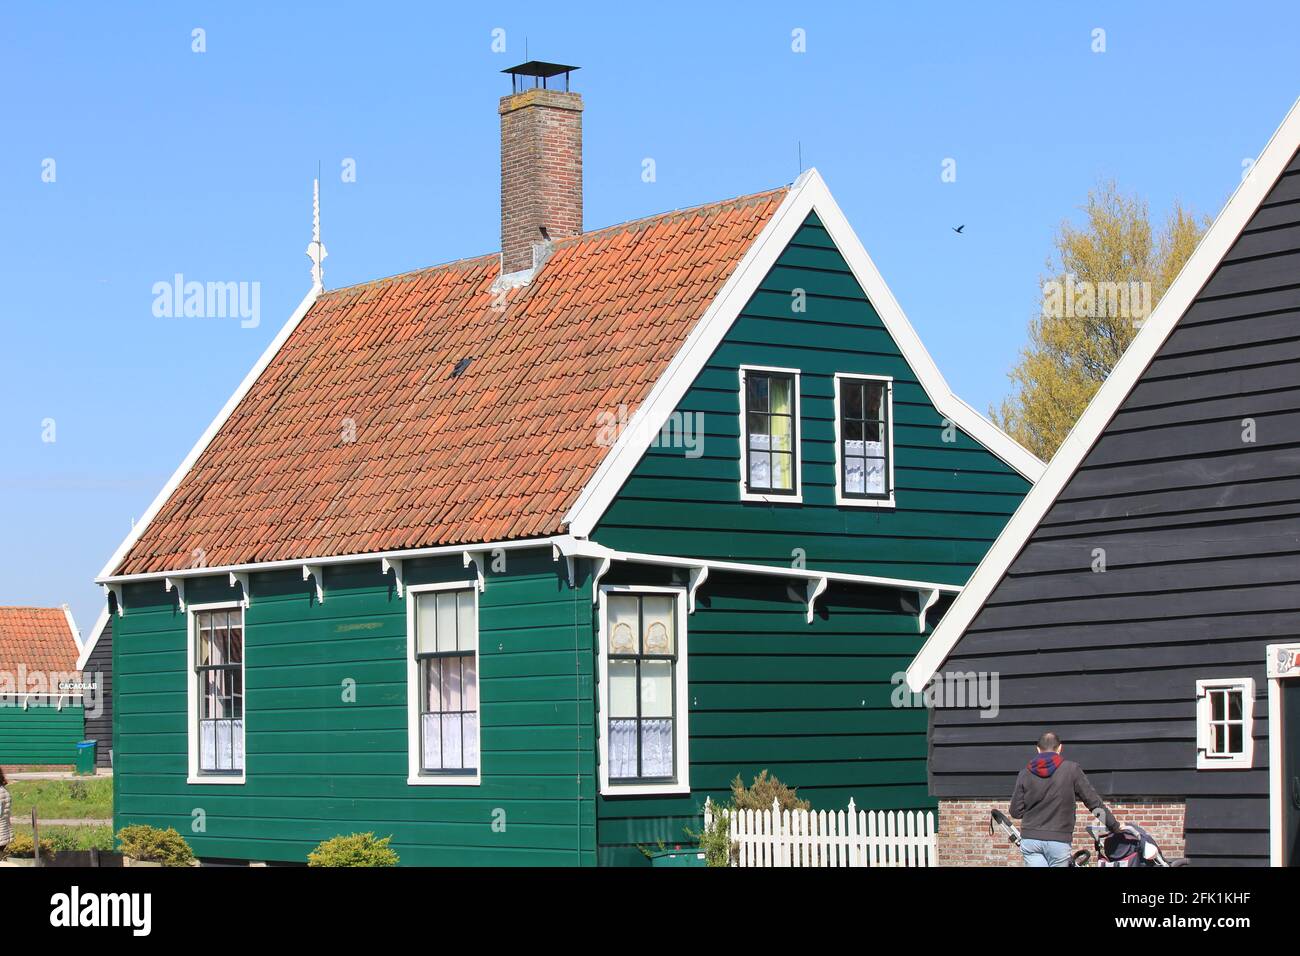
<point>656,748</point>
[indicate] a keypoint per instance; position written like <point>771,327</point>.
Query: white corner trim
<point>476,558</point>
<point>115,589</point>
<point>96,631</point>
<point>808,194</point>
<point>1282,661</point>
<point>1198,269</point>
<point>698,575</point>
<point>926,601</point>
<point>1246,759</point>
<point>194,776</point>
<point>206,438</point>
<point>414,778</point>
<point>681,715</point>
<point>770,497</point>
<point>815,586</point>
<point>841,499</point>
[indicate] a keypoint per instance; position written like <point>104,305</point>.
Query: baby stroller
<point>1130,845</point>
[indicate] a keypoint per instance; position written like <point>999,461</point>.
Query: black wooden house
<point>1144,601</point>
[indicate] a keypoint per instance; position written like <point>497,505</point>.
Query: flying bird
<point>958,229</point>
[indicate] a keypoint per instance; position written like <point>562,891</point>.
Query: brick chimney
<point>541,165</point>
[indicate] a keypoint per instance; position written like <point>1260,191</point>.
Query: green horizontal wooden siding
<point>952,497</point>
<point>318,767</point>
<point>41,734</point>
<point>809,702</point>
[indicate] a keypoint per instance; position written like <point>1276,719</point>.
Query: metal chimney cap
<point>540,71</point>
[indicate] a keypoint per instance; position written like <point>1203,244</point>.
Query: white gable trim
<point>89,647</point>
<point>1198,269</point>
<point>206,438</point>
<point>808,194</point>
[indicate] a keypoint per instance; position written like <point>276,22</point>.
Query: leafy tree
<point>1101,283</point>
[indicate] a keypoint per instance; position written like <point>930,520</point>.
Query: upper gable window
<point>770,432</point>
<point>1225,723</point>
<point>864,446</point>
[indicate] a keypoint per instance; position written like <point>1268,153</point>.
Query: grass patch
<point>89,799</point>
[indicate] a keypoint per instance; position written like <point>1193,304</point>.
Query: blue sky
<point>169,161</point>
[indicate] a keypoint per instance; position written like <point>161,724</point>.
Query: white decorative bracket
<point>925,600</point>
<point>477,559</point>
<point>116,591</point>
<point>236,578</point>
<point>698,576</point>
<point>178,585</point>
<point>601,570</point>
<point>314,571</point>
<point>394,565</point>
<point>815,588</point>
<point>556,554</point>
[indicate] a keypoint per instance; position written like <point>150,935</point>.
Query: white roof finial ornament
<point>316,249</point>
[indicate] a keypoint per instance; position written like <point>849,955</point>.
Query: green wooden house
<point>42,707</point>
<point>520,558</point>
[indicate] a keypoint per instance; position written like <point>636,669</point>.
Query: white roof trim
<point>95,632</point>
<point>808,194</point>
<point>72,625</point>
<point>206,438</point>
<point>1198,269</point>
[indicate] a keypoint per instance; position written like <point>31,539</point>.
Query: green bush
<point>141,842</point>
<point>715,839</point>
<point>760,794</point>
<point>22,848</point>
<point>359,849</point>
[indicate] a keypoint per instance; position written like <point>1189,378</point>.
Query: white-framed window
<point>216,707</point>
<point>1225,723</point>
<point>442,684</point>
<point>770,465</point>
<point>644,738</point>
<point>864,440</point>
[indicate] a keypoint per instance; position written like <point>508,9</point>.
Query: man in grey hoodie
<point>1044,798</point>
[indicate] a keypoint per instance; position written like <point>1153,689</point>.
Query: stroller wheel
<point>1080,858</point>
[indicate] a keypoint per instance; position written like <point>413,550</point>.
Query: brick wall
<point>964,831</point>
<point>541,171</point>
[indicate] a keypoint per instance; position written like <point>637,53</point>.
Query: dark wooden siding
<point>99,667</point>
<point>1201,533</point>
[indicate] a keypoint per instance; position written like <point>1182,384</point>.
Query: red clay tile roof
<point>498,452</point>
<point>38,638</point>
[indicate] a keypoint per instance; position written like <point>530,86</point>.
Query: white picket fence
<point>779,837</point>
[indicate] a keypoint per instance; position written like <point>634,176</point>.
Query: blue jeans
<point>1045,852</point>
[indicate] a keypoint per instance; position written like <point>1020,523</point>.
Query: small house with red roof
<point>520,558</point>
<point>41,705</point>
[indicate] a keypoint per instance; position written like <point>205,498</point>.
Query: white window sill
<point>644,789</point>
<point>421,780</point>
<point>1239,762</point>
<point>772,499</point>
<point>864,502</point>
<point>216,779</point>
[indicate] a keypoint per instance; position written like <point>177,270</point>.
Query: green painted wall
<point>317,766</point>
<point>952,497</point>
<point>40,735</point>
<point>811,703</point>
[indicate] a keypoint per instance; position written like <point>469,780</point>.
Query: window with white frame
<point>770,431</point>
<point>1224,723</point>
<point>445,662</point>
<point>864,433</point>
<point>219,683</point>
<point>644,689</point>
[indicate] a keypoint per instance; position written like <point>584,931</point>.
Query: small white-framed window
<point>442,680</point>
<point>1225,723</point>
<point>644,737</point>
<point>216,700</point>
<point>864,440</point>
<point>770,464</point>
